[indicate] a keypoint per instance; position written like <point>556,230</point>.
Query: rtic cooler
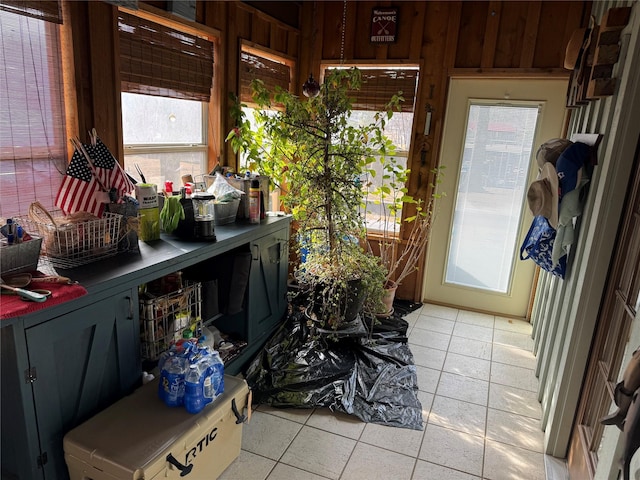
<point>139,437</point>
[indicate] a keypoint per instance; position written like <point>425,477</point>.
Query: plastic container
<point>172,379</point>
<point>225,213</point>
<point>194,400</point>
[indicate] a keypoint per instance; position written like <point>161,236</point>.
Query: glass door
<point>492,131</point>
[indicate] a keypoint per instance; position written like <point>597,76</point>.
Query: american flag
<point>80,191</point>
<point>107,168</point>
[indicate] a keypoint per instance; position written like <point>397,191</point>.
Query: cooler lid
<point>132,437</point>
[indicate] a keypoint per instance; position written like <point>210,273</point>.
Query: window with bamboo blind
<point>273,69</point>
<point>33,154</point>
<point>166,79</point>
<point>379,84</point>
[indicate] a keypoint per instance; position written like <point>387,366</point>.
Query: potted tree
<point>318,159</point>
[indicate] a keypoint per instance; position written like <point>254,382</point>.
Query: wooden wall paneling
<point>417,13</point>
<point>278,39</point>
<point>363,49</point>
<point>353,30</point>
<point>332,30</point>
<point>490,42</point>
<point>308,43</point>
<point>235,17</point>
<point>513,22</point>
<point>401,48</point>
<point>214,14</point>
<point>473,21</point>
<point>530,30</point>
<point>260,30</point>
<point>105,78</point>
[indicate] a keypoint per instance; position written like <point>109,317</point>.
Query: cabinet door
<point>83,361</point>
<point>267,283</point>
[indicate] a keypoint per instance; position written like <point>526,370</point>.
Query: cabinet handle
<point>130,316</point>
<point>255,251</point>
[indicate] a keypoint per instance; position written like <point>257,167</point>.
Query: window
<point>273,69</point>
<point>33,155</point>
<point>379,84</point>
<point>166,79</point>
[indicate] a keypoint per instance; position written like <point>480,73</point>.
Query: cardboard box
<point>139,437</point>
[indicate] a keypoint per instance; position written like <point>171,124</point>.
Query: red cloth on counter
<point>12,305</point>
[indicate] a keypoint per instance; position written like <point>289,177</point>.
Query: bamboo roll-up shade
<point>380,84</point>
<point>272,73</point>
<point>159,60</point>
<point>47,10</point>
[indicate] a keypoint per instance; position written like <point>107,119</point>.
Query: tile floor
<point>481,417</point>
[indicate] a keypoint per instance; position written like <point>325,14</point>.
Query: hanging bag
<point>538,246</point>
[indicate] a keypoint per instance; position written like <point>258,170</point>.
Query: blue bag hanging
<point>538,246</point>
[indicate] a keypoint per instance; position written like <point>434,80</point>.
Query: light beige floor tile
<point>300,415</point>
<point>514,339</point>
<point>452,449</point>
<point>411,318</point>
<point>336,422</point>
<point>428,357</point>
<point>513,325</point>
<point>514,400</point>
<point>373,463</point>
<point>515,430</point>
<point>513,356</point>
<point>474,332</point>
<point>426,400</point>
<point>427,379</point>
<point>467,366</point>
<point>470,348</point>
<point>319,452</point>
<point>248,465</point>
<point>268,435</point>
<point>475,318</point>
<point>463,388</point>
<point>506,462</point>
<point>439,311</point>
<point>428,471</point>
<point>428,338</point>
<point>514,376</point>
<point>400,440</point>
<point>286,472</point>
<point>427,322</point>
<point>458,415</point>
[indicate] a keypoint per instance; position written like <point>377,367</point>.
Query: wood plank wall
<point>481,38</point>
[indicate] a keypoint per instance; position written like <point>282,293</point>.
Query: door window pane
<point>490,195</point>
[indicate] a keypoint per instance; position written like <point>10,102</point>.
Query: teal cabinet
<point>77,365</point>
<point>65,363</point>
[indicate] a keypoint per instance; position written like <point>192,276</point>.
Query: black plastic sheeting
<point>360,370</point>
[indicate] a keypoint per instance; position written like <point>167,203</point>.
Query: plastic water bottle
<point>172,378</point>
<point>194,400</point>
<point>214,377</point>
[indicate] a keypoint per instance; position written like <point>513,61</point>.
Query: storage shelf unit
<point>63,364</point>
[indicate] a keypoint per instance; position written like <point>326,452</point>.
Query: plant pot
<point>349,305</point>
<point>387,299</point>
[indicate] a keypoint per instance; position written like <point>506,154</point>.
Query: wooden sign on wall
<point>384,24</point>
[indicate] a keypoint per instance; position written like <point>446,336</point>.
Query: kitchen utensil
<point>144,180</point>
<point>26,294</point>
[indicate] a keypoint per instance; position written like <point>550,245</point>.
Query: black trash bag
<point>372,377</point>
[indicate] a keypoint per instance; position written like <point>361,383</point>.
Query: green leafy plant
<point>317,158</point>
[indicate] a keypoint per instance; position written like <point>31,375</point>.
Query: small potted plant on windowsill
<point>318,158</point>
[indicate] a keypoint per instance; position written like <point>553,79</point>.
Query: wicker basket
<point>77,239</point>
